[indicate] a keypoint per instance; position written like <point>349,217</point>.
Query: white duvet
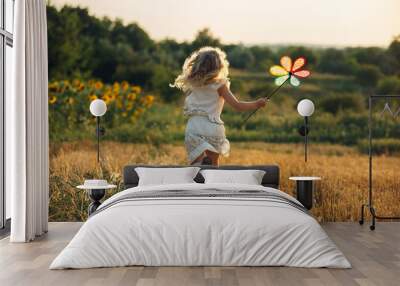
<point>200,231</point>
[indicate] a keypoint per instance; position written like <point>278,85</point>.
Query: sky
<point>313,22</point>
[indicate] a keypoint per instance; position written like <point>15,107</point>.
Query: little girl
<point>204,79</point>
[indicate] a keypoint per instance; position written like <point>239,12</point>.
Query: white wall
<point>8,86</point>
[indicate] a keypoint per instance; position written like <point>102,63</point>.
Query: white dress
<point>205,130</point>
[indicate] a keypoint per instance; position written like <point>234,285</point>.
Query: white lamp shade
<point>98,107</point>
<point>305,107</point>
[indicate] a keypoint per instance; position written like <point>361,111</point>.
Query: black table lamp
<point>305,108</point>
<point>98,108</point>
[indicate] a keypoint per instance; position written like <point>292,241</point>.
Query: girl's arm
<point>238,105</point>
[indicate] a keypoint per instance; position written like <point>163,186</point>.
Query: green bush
<point>333,103</point>
<point>337,61</point>
<point>241,57</point>
<point>387,146</point>
<point>368,75</point>
<point>389,85</point>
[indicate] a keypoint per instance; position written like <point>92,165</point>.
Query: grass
<point>343,188</point>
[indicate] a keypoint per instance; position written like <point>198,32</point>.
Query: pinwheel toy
<point>287,71</point>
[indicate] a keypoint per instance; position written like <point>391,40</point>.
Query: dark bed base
<point>270,179</point>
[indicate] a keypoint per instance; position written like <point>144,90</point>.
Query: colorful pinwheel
<point>288,71</point>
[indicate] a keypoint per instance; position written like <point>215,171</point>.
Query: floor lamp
<point>305,184</point>
<point>96,188</point>
<point>306,109</point>
<point>98,108</point>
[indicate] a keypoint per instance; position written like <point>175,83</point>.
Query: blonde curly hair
<point>204,66</point>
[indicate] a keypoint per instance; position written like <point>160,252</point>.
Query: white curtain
<point>27,165</point>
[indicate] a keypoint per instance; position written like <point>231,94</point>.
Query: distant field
<point>340,117</point>
<point>343,187</point>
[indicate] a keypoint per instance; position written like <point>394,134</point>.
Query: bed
<point>197,224</point>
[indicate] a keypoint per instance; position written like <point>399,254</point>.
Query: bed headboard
<point>270,179</point>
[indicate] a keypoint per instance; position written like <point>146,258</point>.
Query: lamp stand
<point>100,131</point>
<point>305,138</point>
<point>98,137</point>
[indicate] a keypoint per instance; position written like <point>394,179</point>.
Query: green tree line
<point>84,46</point>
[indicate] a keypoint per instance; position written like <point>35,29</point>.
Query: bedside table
<point>96,192</point>
<point>305,190</point>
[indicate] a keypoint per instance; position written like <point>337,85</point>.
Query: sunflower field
<point>69,102</point>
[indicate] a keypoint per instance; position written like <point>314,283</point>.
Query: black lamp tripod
<point>370,205</point>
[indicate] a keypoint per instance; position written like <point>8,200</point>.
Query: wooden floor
<point>375,257</point>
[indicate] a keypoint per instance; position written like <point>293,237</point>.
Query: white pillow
<point>166,176</point>
<point>248,177</point>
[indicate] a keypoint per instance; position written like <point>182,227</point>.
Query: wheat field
<point>343,188</point>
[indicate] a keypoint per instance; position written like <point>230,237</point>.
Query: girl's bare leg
<point>198,159</point>
<point>214,157</point>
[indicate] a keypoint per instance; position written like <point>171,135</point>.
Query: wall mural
<point>131,70</point>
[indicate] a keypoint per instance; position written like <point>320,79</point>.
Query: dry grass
<point>343,188</point>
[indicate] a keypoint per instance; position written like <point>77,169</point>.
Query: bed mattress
<point>201,225</point>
